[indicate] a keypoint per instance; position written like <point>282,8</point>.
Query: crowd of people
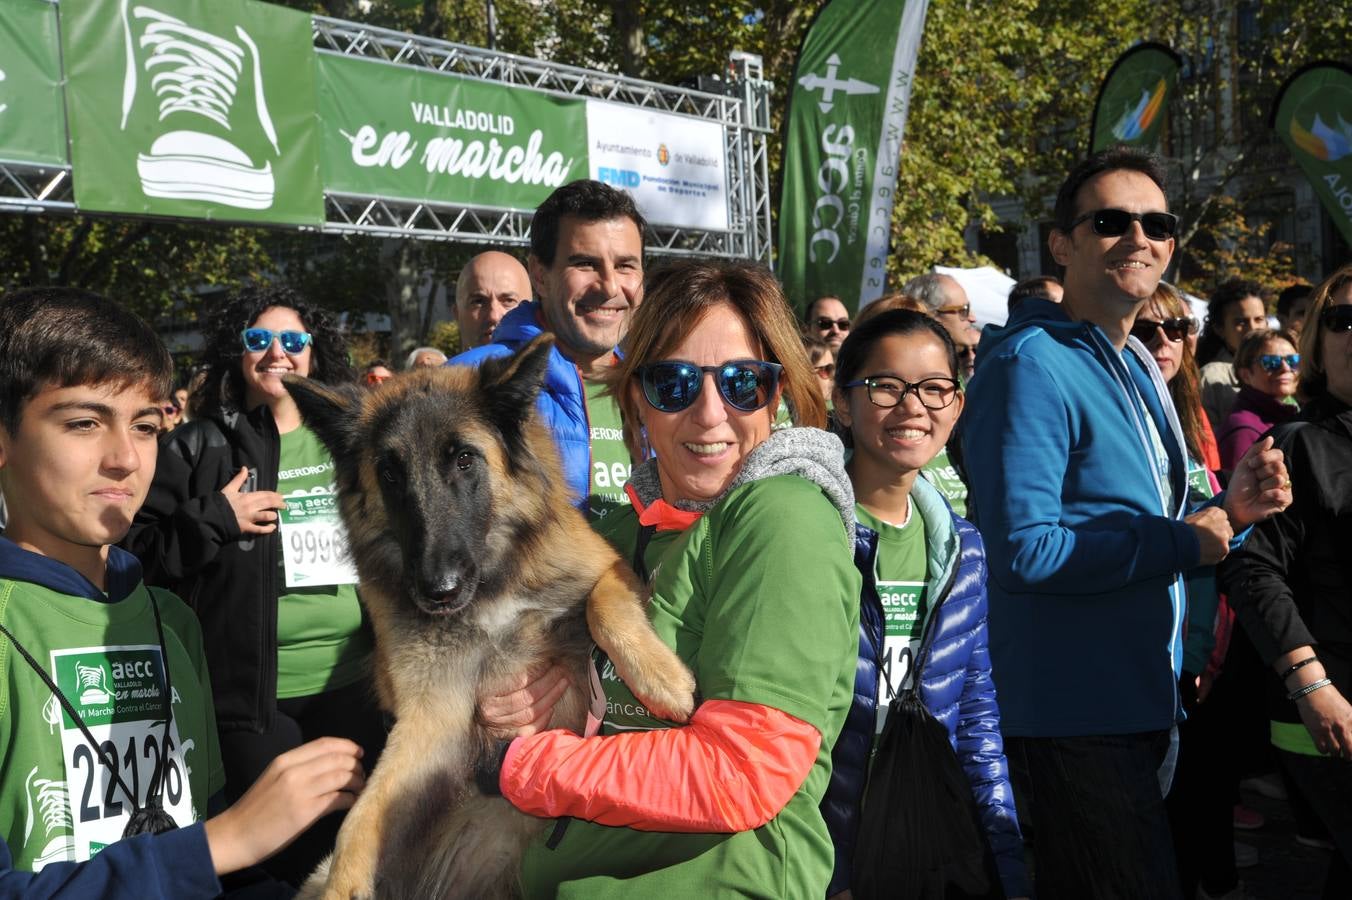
<point>1082,570</point>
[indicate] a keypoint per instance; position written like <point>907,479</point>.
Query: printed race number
<point>314,544</point>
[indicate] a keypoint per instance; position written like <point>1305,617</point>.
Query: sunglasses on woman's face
<point>825,372</point>
<point>1272,362</point>
<point>1158,226</point>
<point>1175,329</point>
<point>673,384</point>
<point>258,340</point>
<point>1338,319</point>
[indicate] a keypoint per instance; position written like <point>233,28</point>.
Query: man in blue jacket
<point>586,272</point>
<point>1078,473</point>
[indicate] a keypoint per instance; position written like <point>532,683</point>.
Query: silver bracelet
<point>1309,688</point>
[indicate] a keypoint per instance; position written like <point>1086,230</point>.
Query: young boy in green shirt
<point>105,705</point>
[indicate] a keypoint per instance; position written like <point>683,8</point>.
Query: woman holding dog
<point>286,646</point>
<point>744,537</point>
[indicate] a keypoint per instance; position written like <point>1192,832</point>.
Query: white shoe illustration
<point>93,685</point>
<point>195,76</point>
<point>53,804</point>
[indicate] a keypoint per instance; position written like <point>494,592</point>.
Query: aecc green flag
<point>1313,117</point>
<point>1133,103</point>
<point>32,129</point>
<point>851,93</point>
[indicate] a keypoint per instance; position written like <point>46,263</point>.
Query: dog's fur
<point>474,567</point>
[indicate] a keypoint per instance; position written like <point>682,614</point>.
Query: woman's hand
<point>294,791</point>
<point>254,510</point>
<point>528,704</point>
<point>1328,717</point>
<point>1260,487</point>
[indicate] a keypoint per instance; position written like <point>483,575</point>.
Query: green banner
<point>394,131</point>
<point>842,141</point>
<point>1133,103</point>
<point>1312,116</point>
<point>197,108</point>
<point>32,126</point>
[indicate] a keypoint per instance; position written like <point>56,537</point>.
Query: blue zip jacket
<point>562,402</point>
<point>954,685</point>
<point>1086,598</point>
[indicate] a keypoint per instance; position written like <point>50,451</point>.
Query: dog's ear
<point>510,384</point>
<point>328,410</point>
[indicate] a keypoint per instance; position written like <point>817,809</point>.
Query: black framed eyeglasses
<point>1175,329</point>
<point>1158,226</point>
<point>1272,362</point>
<point>825,323</point>
<point>1337,319</point>
<point>887,391</point>
<point>671,385</point>
<point>258,340</point>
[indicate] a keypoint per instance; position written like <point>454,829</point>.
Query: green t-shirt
<point>57,801</point>
<point>610,464</point>
<point>941,473</point>
<point>900,570</point>
<point>321,644</point>
<point>760,597</point>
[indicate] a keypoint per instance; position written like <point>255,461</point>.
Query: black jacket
<point>1291,583</point>
<point>188,541</point>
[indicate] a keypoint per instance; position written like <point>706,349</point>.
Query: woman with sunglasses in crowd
<point>286,645</point>
<point>1201,801</point>
<point>1267,366</point>
<point>1291,584</point>
<point>744,537</point>
<point>923,605</point>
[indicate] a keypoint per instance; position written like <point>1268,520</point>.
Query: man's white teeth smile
<point>1130,264</point>
<point>707,449</point>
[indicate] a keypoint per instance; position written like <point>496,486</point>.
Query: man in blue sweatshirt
<point>586,273</point>
<point>1078,475</point>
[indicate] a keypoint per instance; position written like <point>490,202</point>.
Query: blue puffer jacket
<point>955,686</point>
<point>563,400</point>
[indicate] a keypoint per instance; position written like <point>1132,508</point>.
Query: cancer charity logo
<point>118,692</point>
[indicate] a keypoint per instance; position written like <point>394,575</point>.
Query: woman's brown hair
<point>1314,381</point>
<point>1185,387</point>
<point>678,298</point>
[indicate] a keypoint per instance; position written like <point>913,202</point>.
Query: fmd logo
<point>617,177</point>
<point>828,84</point>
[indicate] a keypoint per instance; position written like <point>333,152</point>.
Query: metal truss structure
<point>743,111</point>
<point>31,188</point>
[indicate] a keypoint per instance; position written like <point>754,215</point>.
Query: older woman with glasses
<point>1267,366</point>
<point>1291,585</point>
<point>745,538</point>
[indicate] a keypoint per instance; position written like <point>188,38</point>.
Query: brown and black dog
<point>474,566</point>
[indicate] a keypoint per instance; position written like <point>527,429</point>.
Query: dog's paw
<point>662,682</point>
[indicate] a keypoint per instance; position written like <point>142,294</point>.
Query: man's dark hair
<point>1029,288</point>
<point>1113,159</point>
<point>223,388</point>
<point>65,337</point>
<point>590,201</point>
<point>1288,297</point>
<point>809,313</point>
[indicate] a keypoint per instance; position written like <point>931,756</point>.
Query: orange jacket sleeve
<point>732,768</point>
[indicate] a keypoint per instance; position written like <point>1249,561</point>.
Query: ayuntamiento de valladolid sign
<point>223,109</point>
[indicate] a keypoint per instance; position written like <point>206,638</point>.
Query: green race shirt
<point>760,598</point>
<point>57,801</point>
<point>321,644</point>
<point>610,463</point>
<point>941,473</point>
<point>900,571</point>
